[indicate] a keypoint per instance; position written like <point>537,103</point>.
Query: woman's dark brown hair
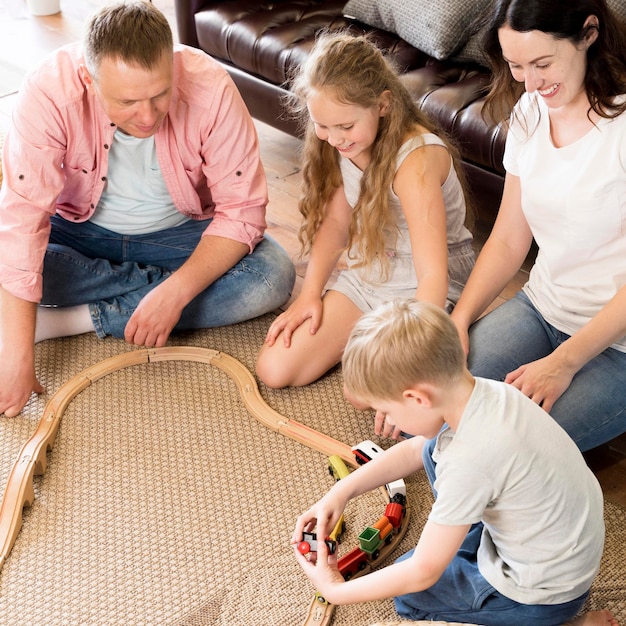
<point>563,19</point>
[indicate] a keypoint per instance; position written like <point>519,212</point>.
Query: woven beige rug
<point>165,502</point>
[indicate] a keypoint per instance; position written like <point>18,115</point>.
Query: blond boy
<point>516,532</point>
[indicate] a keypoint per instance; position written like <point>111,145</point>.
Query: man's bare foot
<point>595,618</point>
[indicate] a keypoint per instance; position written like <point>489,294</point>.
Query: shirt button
<point>106,146</point>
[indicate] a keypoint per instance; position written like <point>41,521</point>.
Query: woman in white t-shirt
<point>561,340</point>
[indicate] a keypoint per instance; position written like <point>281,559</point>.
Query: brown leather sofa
<point>258,42</point>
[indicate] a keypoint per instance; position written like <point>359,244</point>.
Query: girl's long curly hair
<point>564,19</point>
<point>352,70</point>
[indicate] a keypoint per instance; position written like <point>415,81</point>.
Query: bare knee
<point>279,367</point>
<point>270,377</point>
<point>271,372</point>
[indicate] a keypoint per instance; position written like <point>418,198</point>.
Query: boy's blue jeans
<point>87,264</point>
<point>593,408</point>
<point>463,595</point>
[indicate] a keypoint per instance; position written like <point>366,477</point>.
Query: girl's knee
<point>272,371</point>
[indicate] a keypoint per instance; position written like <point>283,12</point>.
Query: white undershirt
<point>135,199</point>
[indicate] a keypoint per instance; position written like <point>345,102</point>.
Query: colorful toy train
<point>367,451</point>
<point>374,537</point>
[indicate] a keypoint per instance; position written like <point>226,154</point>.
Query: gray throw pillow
<point>438,27</point>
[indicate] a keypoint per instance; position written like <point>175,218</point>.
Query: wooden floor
<point>25,40</point>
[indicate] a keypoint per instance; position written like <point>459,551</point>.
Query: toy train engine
<point>309,544</point>
<point>394,511</point>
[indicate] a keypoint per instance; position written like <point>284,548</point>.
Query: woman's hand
<point>303,308</point>
<point>463,331</point>
<point>544,381</point>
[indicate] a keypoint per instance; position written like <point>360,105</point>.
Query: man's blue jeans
<point>87,264</point>
<point>463,595</point>
<point>593,408</point>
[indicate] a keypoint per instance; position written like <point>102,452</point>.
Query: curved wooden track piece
<point>31,462</point>
<point>32,457</point>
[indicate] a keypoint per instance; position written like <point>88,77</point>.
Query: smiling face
<point>136,99</point>
<point>554,68</point>
<point>349,128</point>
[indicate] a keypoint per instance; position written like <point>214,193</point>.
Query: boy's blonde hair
<point>353,70</point>
<point>135,32</point>
<point>400,344</point>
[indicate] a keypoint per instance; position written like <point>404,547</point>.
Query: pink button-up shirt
<point>55,159</point>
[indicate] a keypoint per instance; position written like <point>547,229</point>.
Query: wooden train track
<point>31,462</point>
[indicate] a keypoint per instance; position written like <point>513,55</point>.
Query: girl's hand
<point>385,427</point>
<point>303,308</point>
<point>543,381</point>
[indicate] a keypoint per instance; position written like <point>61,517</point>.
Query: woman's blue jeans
<point>463,595</point>
<point>593,408</point>
<point>87,264</point>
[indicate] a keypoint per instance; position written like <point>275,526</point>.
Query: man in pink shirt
<point>133,200</point>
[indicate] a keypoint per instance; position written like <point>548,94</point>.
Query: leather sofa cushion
<point>267,39</point>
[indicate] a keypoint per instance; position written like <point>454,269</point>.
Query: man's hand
<point>155,317</point>
<point>17,353</point>
<point>159,311</point>
<point>18,383</point>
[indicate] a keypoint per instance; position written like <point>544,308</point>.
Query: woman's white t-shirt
<point>574,199</point>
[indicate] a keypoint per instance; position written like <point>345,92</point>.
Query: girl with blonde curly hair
<point>380,183</point>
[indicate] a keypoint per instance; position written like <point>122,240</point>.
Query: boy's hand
<point>322,516</point>
<point>323,572</point>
